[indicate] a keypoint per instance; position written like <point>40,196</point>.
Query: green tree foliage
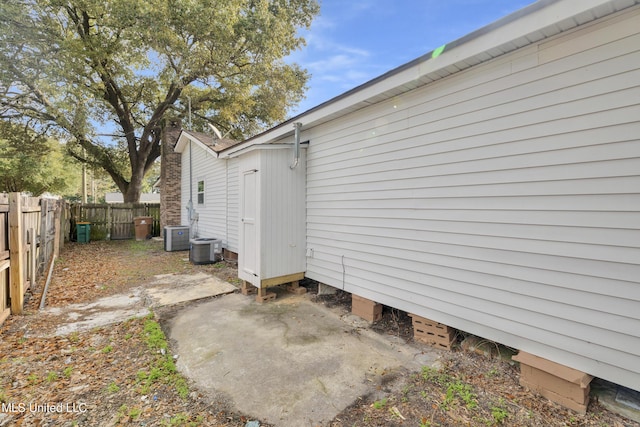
<point>121,67</point>
<point>29,162</point>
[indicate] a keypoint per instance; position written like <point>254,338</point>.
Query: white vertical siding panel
<point>283,215</point>
<point>502,200</point>
<point>233,204</point>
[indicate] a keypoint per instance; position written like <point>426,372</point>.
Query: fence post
<point>16,240</point>
<point>109,222</point>
<point>57,224</point>
<point>62,223</point>
<point>33,248</point>
<point>42,254</point>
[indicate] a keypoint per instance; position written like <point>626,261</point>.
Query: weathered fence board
<point>5,307</point>
<point>122,221</point>
<point>30,233</point>
<point>114,220</point>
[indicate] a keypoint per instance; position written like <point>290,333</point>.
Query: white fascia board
<point>253,147</point>
<point>185,138</point>
<point>267,137</point>
<point>528,20</point>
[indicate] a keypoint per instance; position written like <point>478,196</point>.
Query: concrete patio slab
<point>290,362</point>
<point>167,289</point>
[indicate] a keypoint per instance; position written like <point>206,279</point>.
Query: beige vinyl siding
<point>502,200</point>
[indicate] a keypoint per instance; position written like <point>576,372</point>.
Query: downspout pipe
<point>296,144</point>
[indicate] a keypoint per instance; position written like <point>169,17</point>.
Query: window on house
<point>201,192</point>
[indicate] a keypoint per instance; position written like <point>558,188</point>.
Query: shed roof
<point>529,25</point>
<point>204,140</point>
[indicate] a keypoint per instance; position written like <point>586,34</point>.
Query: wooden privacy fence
<point>114,220</point>
<point>32,230</point>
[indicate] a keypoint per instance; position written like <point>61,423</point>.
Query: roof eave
<point>184,139</point>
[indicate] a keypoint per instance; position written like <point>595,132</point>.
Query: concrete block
<point>566,373</point>
<point>428,324</point>
<point>561,384</point>
<point>326,289</point>
<point>365,308</point>
<point>543,379</point>
<point>295,288</point>
<point>441,341</point>
<point>580,408</point>
<point>433,333</point>
<point>247,288</point>
<point>268,296</point>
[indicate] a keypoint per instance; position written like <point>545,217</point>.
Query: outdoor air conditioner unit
<point>176,238</point>
<point>205,250</point>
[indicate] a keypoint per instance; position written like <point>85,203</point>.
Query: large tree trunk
<point>134,189</point>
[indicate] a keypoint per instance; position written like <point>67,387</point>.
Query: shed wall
<point>273,218</point>
<point>233,203</point>
<point>502,200</point>
<point>282,214</point>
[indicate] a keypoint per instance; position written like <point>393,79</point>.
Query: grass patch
<point>113,387</point>
<point>154,337</point>
<point>457,391</point>
<point>33,378</point>
<point>499,412</point>
<point>140,247</point>
<point>163,368</point>
<point>379,404</point>
<point>52,376</point>
<point>460,392</point>
<point>67,372</point>
<point>135,413</point>
<point>182,419</point>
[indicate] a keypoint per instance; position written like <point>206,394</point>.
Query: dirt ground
<point>124,374</point>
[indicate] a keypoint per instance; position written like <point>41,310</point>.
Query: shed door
<point>248,223</point>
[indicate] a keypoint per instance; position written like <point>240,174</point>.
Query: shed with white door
<point>492,185</point>
<point>272,215</point>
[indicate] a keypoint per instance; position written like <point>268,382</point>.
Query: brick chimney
<point>170,176</point>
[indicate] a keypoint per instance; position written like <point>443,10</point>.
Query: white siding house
<point>210,186</point>
<point>492,185</point>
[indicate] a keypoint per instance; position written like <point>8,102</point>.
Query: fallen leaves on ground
<point>111,376</point>
<point>108,376</point>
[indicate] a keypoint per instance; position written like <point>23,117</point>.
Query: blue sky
<point>354,41</point>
